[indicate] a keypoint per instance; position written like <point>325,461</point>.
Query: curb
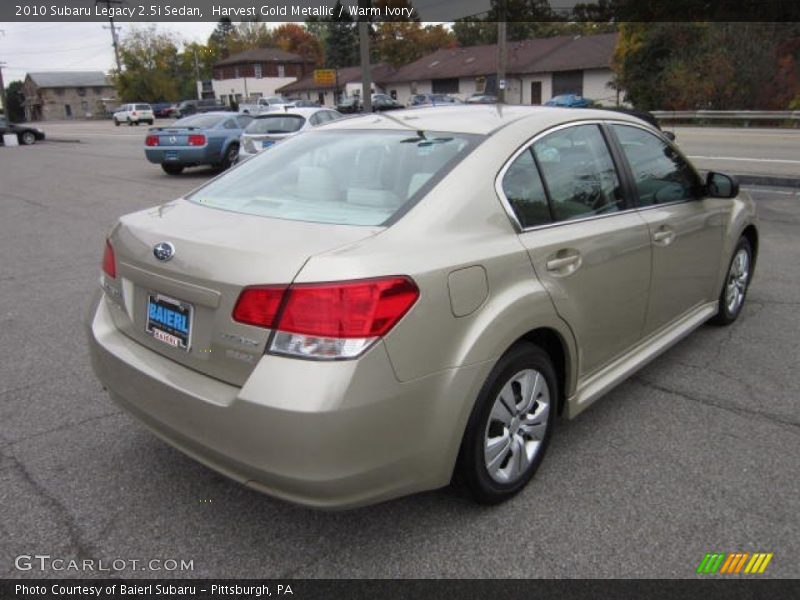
<point>767,180</point>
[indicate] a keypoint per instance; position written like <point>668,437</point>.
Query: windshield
<point>276,124</point>
<point>346,177</point>
<point>202,121</point>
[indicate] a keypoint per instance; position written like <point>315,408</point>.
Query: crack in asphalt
<point>64,427</point>
<point>82,548</point>
<point>716,403</point>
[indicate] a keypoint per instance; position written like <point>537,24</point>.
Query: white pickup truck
<point>263,105</point>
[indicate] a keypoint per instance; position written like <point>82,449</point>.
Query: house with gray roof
<point>55,95</point>
<point>536,70</point>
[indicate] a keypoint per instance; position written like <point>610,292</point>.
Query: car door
<point>588,247</point>
<point>685,228</point>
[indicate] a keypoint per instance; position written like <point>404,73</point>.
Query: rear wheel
<point>116,122</point>
<point>731,299</point>
<point>150,122</point>
<point>231,154</point>
<point>510,426</point>
<point>172,169</point>
<point>130,123</point>
<point>27,138</point>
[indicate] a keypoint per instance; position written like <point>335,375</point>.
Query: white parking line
<point>739,158</point>
<point>771,191</point>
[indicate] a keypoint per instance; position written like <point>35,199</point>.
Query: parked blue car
<point>569,101</point>
<point>202,139</point>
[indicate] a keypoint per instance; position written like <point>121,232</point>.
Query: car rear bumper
<point>179,155</point>
<point>322,434</point>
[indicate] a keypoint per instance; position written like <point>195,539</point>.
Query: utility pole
<point>502,54</point>
<point>3,91</point>
<point>197,84</point>
<point>363,43</point>
<point>113,29</point>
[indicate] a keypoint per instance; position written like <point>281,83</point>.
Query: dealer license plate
<point>169,321</point>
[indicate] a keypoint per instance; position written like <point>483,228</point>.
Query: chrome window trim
<point>498,182</point>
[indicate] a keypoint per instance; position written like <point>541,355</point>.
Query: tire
<point>737,281</point>
<point>130,123</point>
<point>150,122</point>
<point>172,169</point>
<point>231,155</point>
<point>116,122</point>
<point>504,445</point>
<point>27,138</point>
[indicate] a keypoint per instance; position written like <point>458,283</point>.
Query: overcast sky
<point>31,47</point>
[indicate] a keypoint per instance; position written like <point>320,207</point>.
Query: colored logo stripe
<point>733,563</point>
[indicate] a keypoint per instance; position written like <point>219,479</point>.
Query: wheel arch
<point>553,343</point>
<point>751,234</point>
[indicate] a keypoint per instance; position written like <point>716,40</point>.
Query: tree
<point>341,40</point>
<point>401,42</point>
<point>152,68</point>
<point>15,99</point>
<point>297,39</point>
<point>220,38</point>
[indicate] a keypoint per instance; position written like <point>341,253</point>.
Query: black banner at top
<point>399,10</point>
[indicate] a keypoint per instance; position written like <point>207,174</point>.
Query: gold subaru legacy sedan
<point>393,302</point>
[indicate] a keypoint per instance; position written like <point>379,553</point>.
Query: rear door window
<point>579,173</point>
<point>524,191</point>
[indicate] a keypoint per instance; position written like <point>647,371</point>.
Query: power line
<point>114,40</point>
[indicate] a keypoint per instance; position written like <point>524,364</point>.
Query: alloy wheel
<point>737,281</point>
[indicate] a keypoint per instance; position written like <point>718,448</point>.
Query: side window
<point>230,124</point>
<point>333,115</point>
<point>243,121</point>
<point>525,193</point>
<point>315,119</point>
<point>659,172</point>
<point>579,173</point>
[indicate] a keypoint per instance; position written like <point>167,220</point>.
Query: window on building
<point>281,70</point>
<point>81,91</point>
<point>568,82</point>
<point>236,72</point>
<point>445,86</point>
<point>258,71</point>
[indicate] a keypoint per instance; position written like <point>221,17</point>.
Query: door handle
<point>664,236</point>
<point>563,262</point>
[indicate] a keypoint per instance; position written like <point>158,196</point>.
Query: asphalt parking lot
<point>699,452</point>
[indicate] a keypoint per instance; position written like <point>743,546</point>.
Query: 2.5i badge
<point>169,320</point>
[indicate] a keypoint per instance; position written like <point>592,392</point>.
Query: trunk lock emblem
<point>164,251</point>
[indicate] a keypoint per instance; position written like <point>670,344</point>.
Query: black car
<point>164,110</point>
<point>382,102</point>
<point>349,105</point>
<point>26,135</point>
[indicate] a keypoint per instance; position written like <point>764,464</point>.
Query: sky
<point>32,47</point>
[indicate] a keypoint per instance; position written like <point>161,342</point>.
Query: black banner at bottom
<point>411,589</point>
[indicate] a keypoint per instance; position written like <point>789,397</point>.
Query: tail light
<point>197,140</point>
<point>151,140</point>
<point>327,320</point>
<point>109,262</point>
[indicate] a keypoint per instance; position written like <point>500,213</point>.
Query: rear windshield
<point>351,177</point>
<point>276,124</point>
<point>143,107</point>
<point>204,121</point>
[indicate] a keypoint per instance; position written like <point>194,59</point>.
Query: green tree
<point>400,43</point>
<point>341,40</point>
<point>151,67</point>
<point>15,98</point>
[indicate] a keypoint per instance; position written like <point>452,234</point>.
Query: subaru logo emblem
<point>164,251</point>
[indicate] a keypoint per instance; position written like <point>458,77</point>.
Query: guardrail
<point>740,116</point>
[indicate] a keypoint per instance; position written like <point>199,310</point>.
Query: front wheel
<point>116,122</point>
<point>27,138</point>
<point>731,299</point>
<point>172,169</point>
<point>510,426</point>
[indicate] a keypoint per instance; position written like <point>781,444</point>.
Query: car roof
<point>482,119</point>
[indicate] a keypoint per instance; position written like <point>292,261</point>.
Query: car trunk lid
<point>182,307</point>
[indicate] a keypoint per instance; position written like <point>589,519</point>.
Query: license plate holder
<point>267,143</point>
<point>169,320</point>
<point>171,155</point>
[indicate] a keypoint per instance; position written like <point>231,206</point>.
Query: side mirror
<point>719,185</point>
<point>669,135</point>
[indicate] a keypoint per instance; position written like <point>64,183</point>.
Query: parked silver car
<point>390,302</point>
<point>270,128</point>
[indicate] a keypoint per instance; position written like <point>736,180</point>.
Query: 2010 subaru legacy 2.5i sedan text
<point>374,307</point>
